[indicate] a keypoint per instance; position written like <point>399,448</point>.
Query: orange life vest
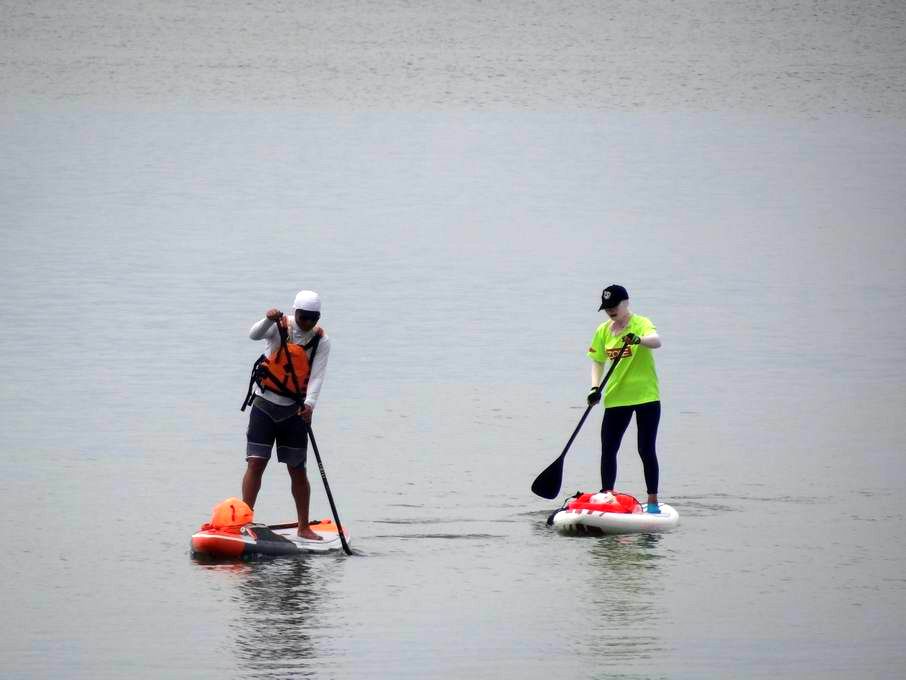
<point>288,378</point>
<point>286,370</point>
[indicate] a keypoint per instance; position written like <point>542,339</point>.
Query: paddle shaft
<point>333,507</point>
<point>314,445</point>
<point>554,471</point>
<point>610,370</point>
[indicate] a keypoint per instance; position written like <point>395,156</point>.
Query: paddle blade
<point>547,484</point>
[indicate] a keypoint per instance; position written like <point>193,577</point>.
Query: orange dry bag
<point>231,514</point>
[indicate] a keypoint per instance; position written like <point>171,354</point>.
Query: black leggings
<point>616,420</point>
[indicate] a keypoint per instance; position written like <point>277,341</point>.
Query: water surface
<point>737,166</point>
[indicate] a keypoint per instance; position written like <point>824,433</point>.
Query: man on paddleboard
<point>276,418</point>
<point>632,387</point>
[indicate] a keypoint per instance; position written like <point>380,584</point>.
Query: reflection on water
<point>628,612</point>
<point>279,604</point>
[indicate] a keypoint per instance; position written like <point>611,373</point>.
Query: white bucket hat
<point>307,300</point>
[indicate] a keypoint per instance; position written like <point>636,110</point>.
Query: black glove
<point>632,339</point>
<point>594,396</point>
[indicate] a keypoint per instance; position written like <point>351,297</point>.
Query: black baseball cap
<point>612,296</point>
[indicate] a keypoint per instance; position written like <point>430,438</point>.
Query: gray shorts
<point>271,423</point>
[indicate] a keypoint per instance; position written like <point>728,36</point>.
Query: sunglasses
<point>307,316</point>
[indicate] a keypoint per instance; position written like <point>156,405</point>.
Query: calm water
<point>458,183</point>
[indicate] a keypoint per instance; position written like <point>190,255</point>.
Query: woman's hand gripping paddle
<point>547,484</point>
<point>311,435</point>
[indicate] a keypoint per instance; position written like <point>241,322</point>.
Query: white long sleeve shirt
<point>267,330</point>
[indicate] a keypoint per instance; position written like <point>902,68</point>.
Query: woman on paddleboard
<point>632,387</point>
<point>280,418</point>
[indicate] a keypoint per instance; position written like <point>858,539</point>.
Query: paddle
<point>314,446</point>
<point>333,507</point>
<point>547,484</point>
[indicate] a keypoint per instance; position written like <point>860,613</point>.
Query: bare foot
<point>309,534</point>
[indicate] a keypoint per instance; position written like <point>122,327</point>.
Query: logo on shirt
<point>614,353</point>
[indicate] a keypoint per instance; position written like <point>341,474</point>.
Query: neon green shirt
<point>634,380</point>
